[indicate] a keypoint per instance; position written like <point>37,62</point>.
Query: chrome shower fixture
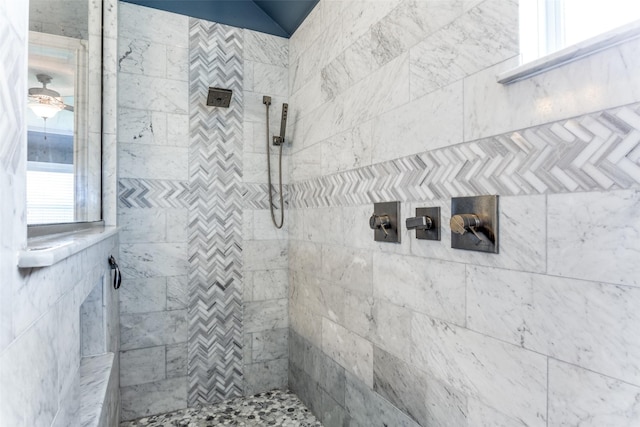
<point>219,97</point>
<point>279,139</point>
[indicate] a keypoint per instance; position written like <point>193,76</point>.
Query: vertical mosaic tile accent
<point>594,152</point>
<point>215,215</point>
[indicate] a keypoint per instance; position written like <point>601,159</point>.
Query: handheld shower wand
<point>278,140</point>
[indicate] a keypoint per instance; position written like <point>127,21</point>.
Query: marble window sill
<point>49,250</point>
<point>571,53</point>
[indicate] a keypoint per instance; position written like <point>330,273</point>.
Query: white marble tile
<point>384,90</point>
<point>265,376</point>
<point>154,94</point>
<point>255,111</point>
<point>593,83</point>
<point>433,121</point>
<point>306,99</point>
<point>67,340</point>
<point>485,35</point>
<point>265,48</point>
<point>500,375</point>
<point>305,256</point>
<point>138,22</point>
<point>428,286</point>
<point>270,79</point>
<point>255,166</point>
<point>358,16</point>
<point>594,236</point>
<point>142,126</point>
<point>142,225</point>
<point>409,23</point>
<point>317,296</point>
<point>307,163</point>
<point>323,225</point>
<point>153,329</point>
<point>348,150</point>
<point>353,352</point>
<point>264,255</point>
<point>348,68</point>
<point>141,366</point>
<point>153,259</point>
<point>177,129</point>
<point>154,398</point>
<point>307,32</point>
<point>153,162</point>
<point>97,381</point>
<point>143,295</point>
<point>262,224</point>
<point>479,414</point>
<point>270,345</point>
<point>392,331</point>
<point>348,268</point>
<point>266,285</point>
<point>176,360</point>
<point>308,325</point>
<point>358,313</point>
<point>177,63</point>
<point>327,120</point>
<point>177,292</point>
<point>323,50</point>
<point>581,397</point>
<point>265,315</point>
<point>177,222</point>
<point>591,329</point>
<point>142,57</point>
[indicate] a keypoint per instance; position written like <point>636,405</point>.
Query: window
<point>553,32</point>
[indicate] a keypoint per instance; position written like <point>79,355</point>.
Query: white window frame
<point>547,31</point>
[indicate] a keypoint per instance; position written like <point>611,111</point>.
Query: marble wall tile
<point>581,397</point>
<point>270,345</point>
<point>153,398</point>
<point>265,315</point>
<point>68,339</point>
<point>153,162</point>
<point>142,57</point>
<point>306,324</point>
<point>143,295</point>
<point>446,405</point>
<point>433,287</point>
<point>595,240</point>
<point>348,150</point>
<point>177,292</point>
<point>264,255</point>
<point>348,68</point>
<point>367,408</point>
<point>382,91</point>
<point>359,16</point>
<point>152,329</point>
<point>305,256</point>
<point>304,100</point>
<point>270,79</point>
<point>153,259</point>
<point>392,331</point>
<point>431,122</point>
<point>177,63</point>
<point>401,384</point>
<point>485,35</point>
<point>255,167</point>
<point>266,48</point>
<point>266,285</point>
<point>327,121</point>
<point>316,228</point>
<point>348,268</point>
<point>503,376</point>
<point>483,415</point>
<point>590,330</point>
<point>306,163</point>
<point>262,225</point>
<point>265,376</point>
<point>593,83</point>
<point>176,360</point>
<point>142,366</point>
<point>142,225</point>
<point>154,94</point>
<point>351,351</point>
<point>307,32</point>
<point>153,25</point>
<point>92,322</point>
<point>409,23</point>
<point>331,413</point>
<point>359,312</point>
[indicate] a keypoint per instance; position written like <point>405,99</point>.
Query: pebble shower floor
<point>273,408</point>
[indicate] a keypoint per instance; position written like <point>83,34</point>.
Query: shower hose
<point>273,217</point>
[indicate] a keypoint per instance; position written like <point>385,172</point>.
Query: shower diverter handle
<point>380,221</point>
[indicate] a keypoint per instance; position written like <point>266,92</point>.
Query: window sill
<point>49,250</point>
<point>571,53</point>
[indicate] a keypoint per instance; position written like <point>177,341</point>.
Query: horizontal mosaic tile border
<point>152,193</point>
<point>594,152</point>
<point>256,196</point>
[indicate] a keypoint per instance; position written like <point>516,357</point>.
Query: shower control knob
<point>462,223</point>
<point>380,222</point>
<point>419,223</point>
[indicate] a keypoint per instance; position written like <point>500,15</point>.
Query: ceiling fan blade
<point>68,107</point>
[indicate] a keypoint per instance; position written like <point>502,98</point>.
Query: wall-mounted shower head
<point>219,97</point>
<point>279,140</point>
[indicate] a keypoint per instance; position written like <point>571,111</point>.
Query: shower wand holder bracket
<point>278,140</point>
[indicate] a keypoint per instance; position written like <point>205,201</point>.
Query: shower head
<point>219,97</point>
<point>279,140</point>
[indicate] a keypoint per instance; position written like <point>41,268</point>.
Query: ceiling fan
<point>45,102</point>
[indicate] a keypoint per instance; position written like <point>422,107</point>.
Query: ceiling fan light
<point>46,107</point>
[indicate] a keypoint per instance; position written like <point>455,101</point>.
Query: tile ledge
<point>571,53</point>
<point>49,250</point>
<point>95,375</point>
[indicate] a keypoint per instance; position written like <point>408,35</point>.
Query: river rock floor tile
<point>273,408</point>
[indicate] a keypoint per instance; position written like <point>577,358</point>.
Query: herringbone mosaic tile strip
<point>256,196</point>
<point>599,151</point>
<point>215,216</point>
<point>152,193</point>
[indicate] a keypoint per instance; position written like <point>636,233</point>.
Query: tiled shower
<point>390,100</point>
